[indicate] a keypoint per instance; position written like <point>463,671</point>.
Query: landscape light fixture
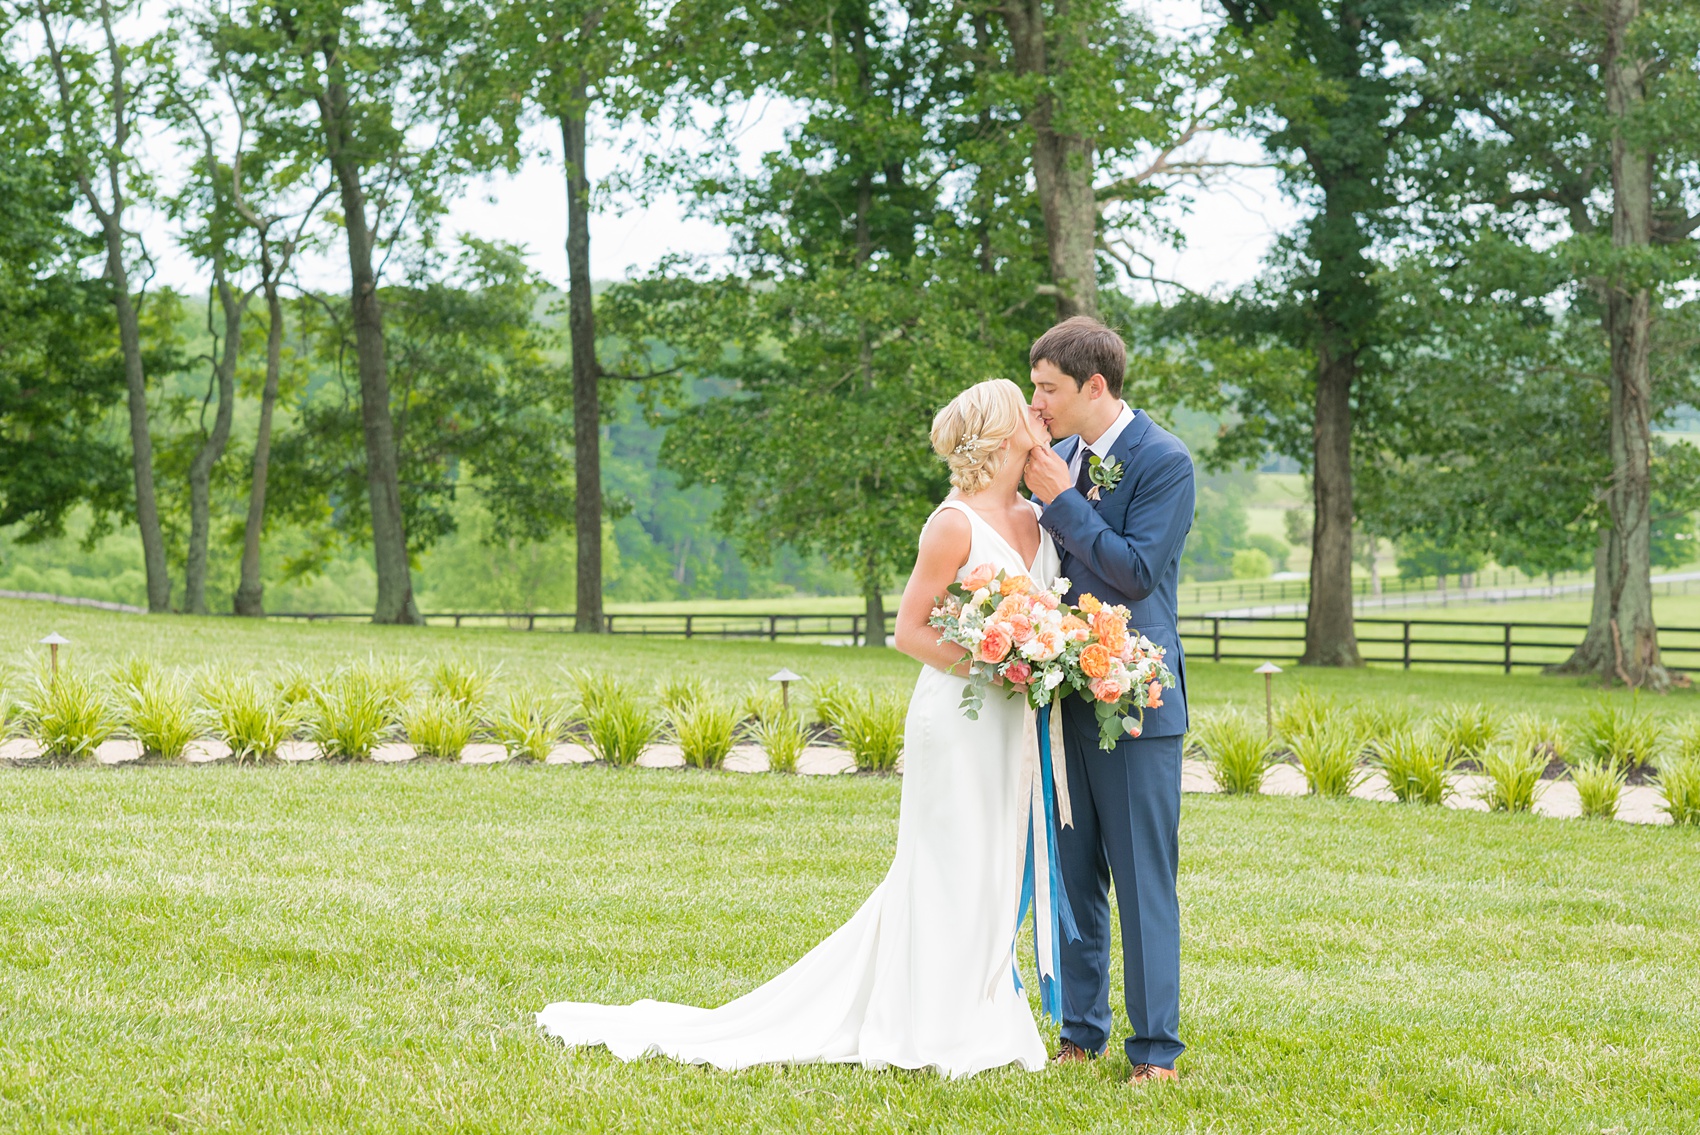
<point>1268,670</point>
<point>53,642</point>
<point>785,678</point>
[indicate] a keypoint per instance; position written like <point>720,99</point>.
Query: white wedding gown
<point>922,976</point>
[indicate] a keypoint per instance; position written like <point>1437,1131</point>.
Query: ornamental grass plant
<point>871,726</point>
<point>1468,729</point>
<point>459,682</point>
<point>440,725</point>
<point>528,723</point>
<point>832,698</point>
<point>1513,781</point>
<point>1327,754</point>
<point>352,715</point>
<point>783,737</point>
<point>1599,786</point>
<point>618,724</point>
<point>1533,735</point>
<point>1620,734</point>
<point>253,720</point>
<point>1417,766</point>
<point>156,710</point>
<point>706,730</point>
<point>1304,713</point>
<point>1238,750</point>
<point>1376,721</point>
<point>296,684</point>
<point>1679,783</point>
<point>68,714</point>
<point>679,693</point>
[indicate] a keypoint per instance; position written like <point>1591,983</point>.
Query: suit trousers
<point>1126,832</point>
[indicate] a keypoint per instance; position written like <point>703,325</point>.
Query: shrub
<point>1303,713</point>
<point>252,721</point>
<point>1599,786</point>
<point>1378,721</point>
<point>679,693</point>
<point>1467,730</point>
<point>459,682</point>
<point>783,737</point>
<point>706,730</point>
<point>440,725</point>
<point>393,683</point>
<point>157,713</point>
<point>872,728</point>
<point>1680,784</point>
<point>1533,736</point>
<point>1417,765</point>
<point>1513,779</point>
<point>1685,740</point>
<point>1237,749</point>
<point>591,690</point>
<point>1328,757</point>
<point>832,699</point>
<point>1614,733</point>
<point>619,725</point>
<point>351,715</point>
<point>67,715</point>
<point>133,673</point>
<point>761,701</point>
<point>529,723</point>
<point>296,684</point>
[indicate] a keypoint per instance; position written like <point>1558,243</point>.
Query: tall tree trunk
<point>389,534</point>
<point>200,469</point>
<point>874,602</point>
<point>141,441</point>
<point>1329,637</point>
<point>587,374</point>
<point>1622,640</point>
<point>250,591</point>
<point>1063,162</point>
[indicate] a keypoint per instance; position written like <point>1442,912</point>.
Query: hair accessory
<point>966,445</point>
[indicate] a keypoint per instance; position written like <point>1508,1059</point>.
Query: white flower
<point>1062,586</point>
<point>1053,679</point>
<point>980,596</point>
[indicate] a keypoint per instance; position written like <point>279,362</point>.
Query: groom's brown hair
<point>1081,347</point>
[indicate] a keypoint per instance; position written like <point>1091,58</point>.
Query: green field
<point>360,948</point>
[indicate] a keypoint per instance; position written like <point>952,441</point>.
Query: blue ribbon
<point>1060,914</point>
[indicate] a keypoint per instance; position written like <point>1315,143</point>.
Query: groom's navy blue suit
<point>1126,549</point>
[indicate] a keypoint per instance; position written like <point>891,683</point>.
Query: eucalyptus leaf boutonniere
<point>1106,474</point>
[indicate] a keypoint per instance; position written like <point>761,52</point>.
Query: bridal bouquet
<point>1027,639</point>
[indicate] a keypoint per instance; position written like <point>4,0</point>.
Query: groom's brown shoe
<point>1072,1053</point>
<point>1147,1073</point>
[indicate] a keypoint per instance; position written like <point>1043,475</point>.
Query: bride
<point>923,974</point>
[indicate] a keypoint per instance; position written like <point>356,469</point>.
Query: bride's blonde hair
<point>970,431</point>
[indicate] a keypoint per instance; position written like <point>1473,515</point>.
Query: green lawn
<point>360,948</point>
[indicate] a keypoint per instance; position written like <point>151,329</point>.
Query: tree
<point>1583,144</point>
<point>99,96</point>
<point>370,88</point>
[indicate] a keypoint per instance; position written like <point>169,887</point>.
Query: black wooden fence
<point>1506,646</point>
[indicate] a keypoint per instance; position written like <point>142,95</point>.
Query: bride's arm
<point>945,543</point>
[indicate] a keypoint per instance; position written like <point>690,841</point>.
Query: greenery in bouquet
<point>1026,639</point>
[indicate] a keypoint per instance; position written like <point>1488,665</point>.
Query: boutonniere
<point>1106,474</point>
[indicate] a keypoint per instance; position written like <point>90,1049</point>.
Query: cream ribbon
<point>1031,826</point>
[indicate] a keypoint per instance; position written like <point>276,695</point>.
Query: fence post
<point>457,622</point>
<point>1407,656</point>
<point>687,626</point>
<point>1215,640</point>
<point>1508,648</point>
<point>773,628</point>
<point>530,622</point>
<point>855,630</point>
<point>608,623</point>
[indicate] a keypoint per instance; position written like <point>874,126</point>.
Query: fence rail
<point>1506,646</point>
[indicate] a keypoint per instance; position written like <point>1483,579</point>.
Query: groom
<point>1121,535</point>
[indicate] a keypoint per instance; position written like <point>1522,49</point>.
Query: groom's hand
<point>1047,474</point>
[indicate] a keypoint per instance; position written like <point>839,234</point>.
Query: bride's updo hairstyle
<point>970,432</point>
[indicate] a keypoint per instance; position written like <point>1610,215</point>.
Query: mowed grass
<point>359,948</point>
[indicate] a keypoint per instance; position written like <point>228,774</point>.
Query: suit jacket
<point>1126,548</point>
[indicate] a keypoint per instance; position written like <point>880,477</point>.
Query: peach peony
<point>1095,661</point>
<point>1017,585</point>
<point>981,576</point>
<point>1047,600</point>
<point>1154,695</point>
<point>1014,605</point>
<point>1108,690</point>
<point>1020,627</point>
<point>994,647</point>
<point>1018,673</point>
<point>1112,634</point>
<point>1046,645</point>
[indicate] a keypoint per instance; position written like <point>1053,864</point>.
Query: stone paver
<point>746,758</point>
<point>570,754</point>
<point>204,749</point>
<point>394,752</point>
<point>661,756</point>
<point>119,750</point>
<point>824,760</point>
<point>484,753</point>
<point>294,750</point>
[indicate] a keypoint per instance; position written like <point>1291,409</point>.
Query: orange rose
<point>1014,605</point>
<point>994,647</point>
<point>1112,634</point>
<point>1095,661</point>
<point>1070,623</point>
<point>981,576</point>
<point>1020,627</point>
<point>1108,690</point>
<point>1154,695</point>
<point>1017,585</point>
<point>1089,603</point>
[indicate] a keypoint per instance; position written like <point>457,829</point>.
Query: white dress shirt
<point>1102,446</point>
